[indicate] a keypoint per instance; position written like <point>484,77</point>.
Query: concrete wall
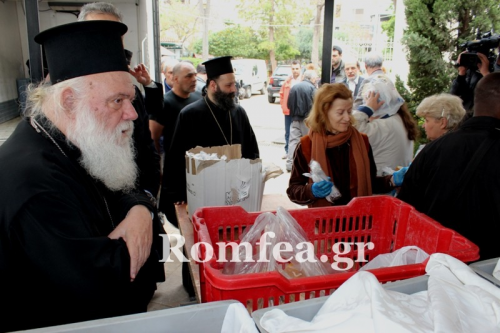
<point>11,60</point>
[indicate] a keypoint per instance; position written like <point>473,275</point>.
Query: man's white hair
<point>168,63</point>
<point>46,96</point>
<point>310,75</point>
<point>373,60</point>
<point>99,8</point>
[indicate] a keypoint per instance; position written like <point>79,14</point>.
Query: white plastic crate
<point>485,269</point>
<point>207,318</point>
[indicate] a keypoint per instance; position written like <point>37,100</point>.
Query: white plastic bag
<point>317,174</point>
<point>404,256</point>
<point>383,85</point>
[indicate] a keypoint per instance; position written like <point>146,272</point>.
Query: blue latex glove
<point>399,176</point>
<point>322,189</point>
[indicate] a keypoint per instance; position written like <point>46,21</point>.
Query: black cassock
<point>57,264</point>
<point>196,126</point>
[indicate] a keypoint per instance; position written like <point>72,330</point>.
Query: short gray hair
<point>442,106</point>
<point>373,60</point>
<point>99,8</point>
<point>168,62</point>
<point>310,74</point>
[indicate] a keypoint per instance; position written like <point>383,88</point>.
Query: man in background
<point>352,80</point>
<point>201,78</point>
<point>300,101</point>
<point>167,66</point>
<point>338,72</point>
<point>373,65</point>
<point>284,92</point>
<point>181,95</point>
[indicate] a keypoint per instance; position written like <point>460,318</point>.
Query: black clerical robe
<point>204,124</point>
<point>57,264</point>
<point>146,158</point>
<point>436,186</point>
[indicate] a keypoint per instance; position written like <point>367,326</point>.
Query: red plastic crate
<point>386,221</point>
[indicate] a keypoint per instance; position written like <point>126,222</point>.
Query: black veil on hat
<point>218,66</point>
<point>83,48</point>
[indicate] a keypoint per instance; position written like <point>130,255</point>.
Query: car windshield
<point>283,71</point>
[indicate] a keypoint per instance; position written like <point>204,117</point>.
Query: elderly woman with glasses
<point>441,113</point>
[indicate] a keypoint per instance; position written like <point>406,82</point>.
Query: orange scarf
<point>359,163</point>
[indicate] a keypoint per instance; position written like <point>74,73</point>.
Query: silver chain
<point>230,123</point>
<point>38,127</point>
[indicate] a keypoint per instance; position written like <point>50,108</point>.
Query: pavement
<point>7,128</point>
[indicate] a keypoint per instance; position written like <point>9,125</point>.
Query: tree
<point>435,29</point>
<point>178,21</point>
<point>304,40</point>
<point>320,4</point>
<point>275,19</point>
<point>388,26</point>
<point>237,41</point>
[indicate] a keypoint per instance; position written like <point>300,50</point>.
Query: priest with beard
<point>214,120</point>
<point>78,241</point>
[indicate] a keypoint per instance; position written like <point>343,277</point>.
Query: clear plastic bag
<point>317,174</point>
<point>404,256</point>
<point>287,230</point>
<point>383,85</point>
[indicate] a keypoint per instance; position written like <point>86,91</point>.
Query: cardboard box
<point>234,181</point>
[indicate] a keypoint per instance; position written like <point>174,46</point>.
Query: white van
<point>251,75</point>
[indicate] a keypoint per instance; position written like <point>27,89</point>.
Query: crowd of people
<point>96,159</point>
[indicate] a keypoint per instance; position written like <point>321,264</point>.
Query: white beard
<point>107,156</point>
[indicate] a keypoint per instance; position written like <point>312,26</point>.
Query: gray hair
<point>442,106</point>
<point>168,62</point>
<point>310,75</point>
<point>99,8</point>
<point>373,60</point>
<point>45,95</point>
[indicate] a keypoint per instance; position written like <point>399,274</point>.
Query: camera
<point>485,44</point>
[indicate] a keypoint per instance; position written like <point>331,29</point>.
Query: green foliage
<point>433,36</point>
<point>388,27</point>
<point>195,61</point>
<point>274,19</point>
<point>238,41</point>
<point>304,41</point>
<point>177,22</point>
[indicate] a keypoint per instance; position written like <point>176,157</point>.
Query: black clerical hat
<point>83,48</point>
<point>218,66</point>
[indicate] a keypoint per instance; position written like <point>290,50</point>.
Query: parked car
<point>276,81</point>
<point>251,75</point>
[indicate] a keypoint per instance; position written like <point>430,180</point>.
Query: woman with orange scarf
<point>344,153</point>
